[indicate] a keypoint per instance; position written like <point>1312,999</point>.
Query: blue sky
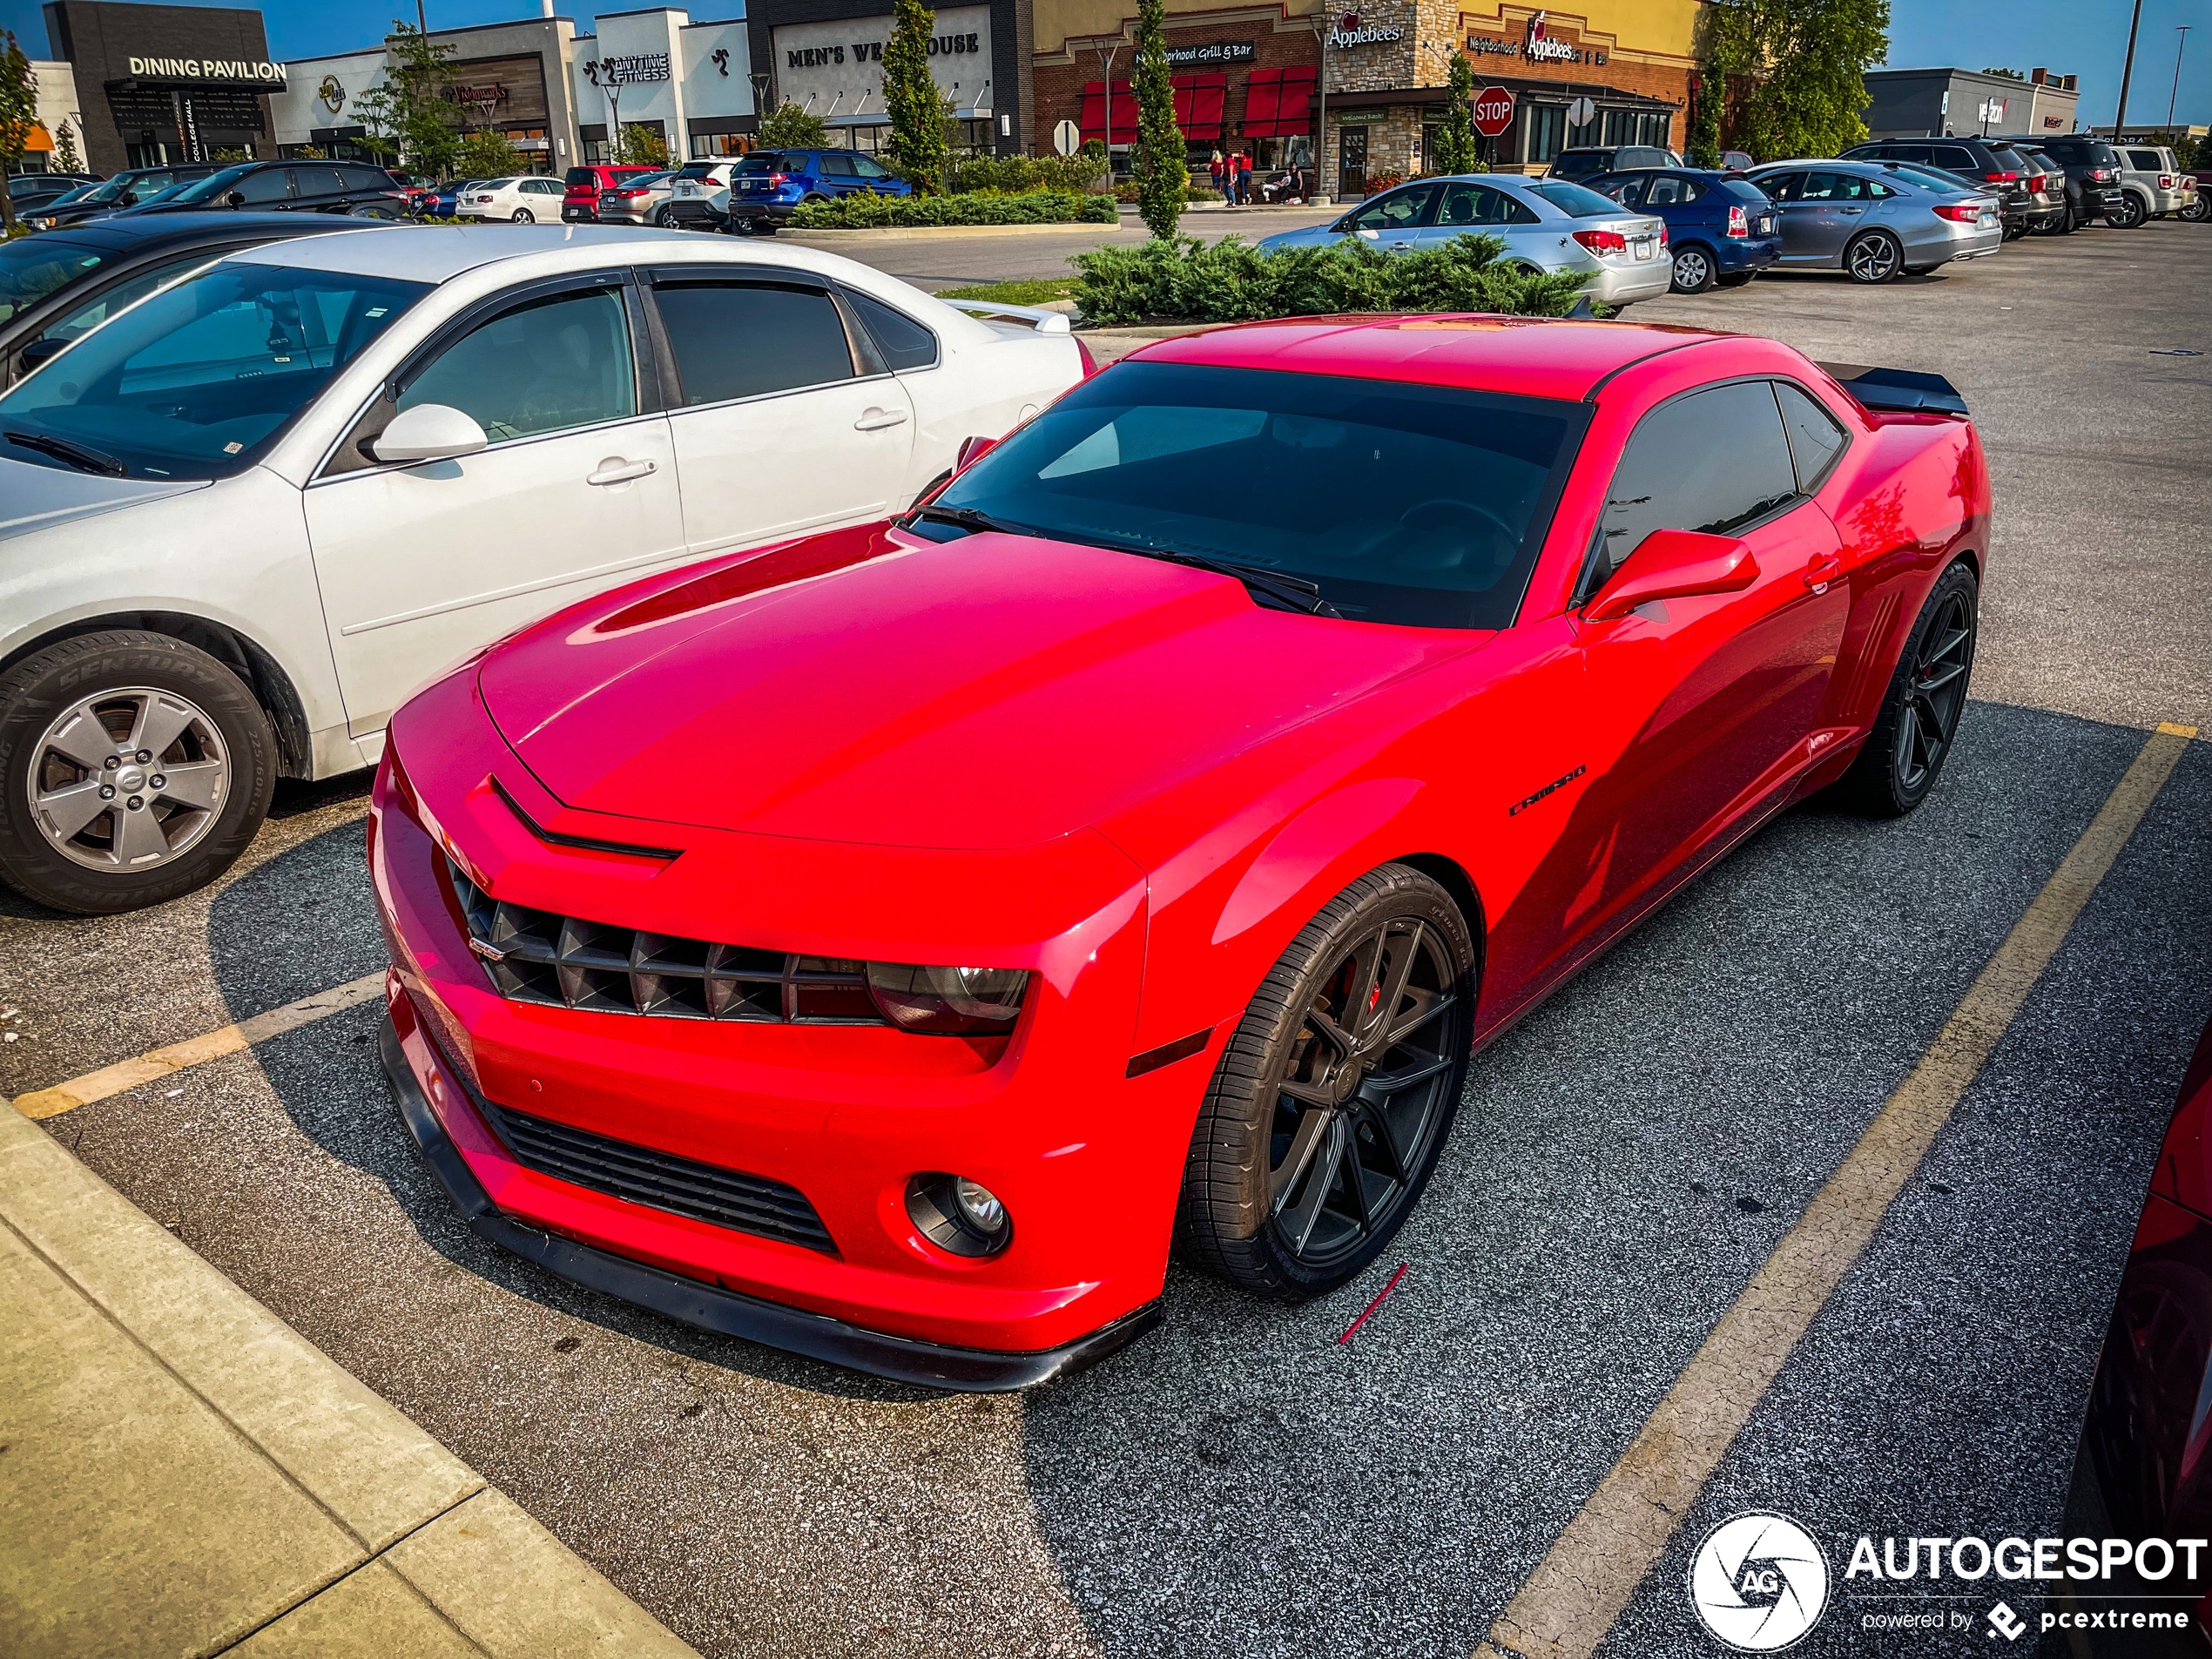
<point>2084,37</point>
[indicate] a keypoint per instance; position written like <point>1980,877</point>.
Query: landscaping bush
<point>1233,281</point>
<point>1018,175</point>
<point>889,212</point>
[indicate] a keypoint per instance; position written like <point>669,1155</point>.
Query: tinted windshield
<point>1417,505</point>
<point>33,266</point>
<point>760,162</point>
<point>1581,164</point>
<point>214,187</point>
<point>1573,199</point>
<point>197,381</point>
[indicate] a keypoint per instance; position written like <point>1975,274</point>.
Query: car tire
<point>1289,1195</point>
<point>1918,725</point>
<point>523,216</point>
<point>2069,222</point>
<point>1874,258</point>
<point>2197,212</point>
<point>2133,212</point>
<point>1695,268</point>
<point>117,680</point>
<point>662,218</point>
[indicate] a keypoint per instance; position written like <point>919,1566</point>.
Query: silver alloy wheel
<point>523,216</point>
<point>128,779</point>
<point>1692,270</point>
<point>1872,259</point>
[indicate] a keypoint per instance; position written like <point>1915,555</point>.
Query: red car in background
<point>881,944</point>
<point>581,187</point>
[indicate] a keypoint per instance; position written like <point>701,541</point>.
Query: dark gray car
<point>1877,222</point>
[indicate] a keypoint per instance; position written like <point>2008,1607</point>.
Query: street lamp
<point>2180,47</point>
<point>1106,57</point>
<point>2127,73</point>
<point>1324,26</point>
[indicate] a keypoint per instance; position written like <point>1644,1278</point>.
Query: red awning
<point>1199,99</point>
<point>1279,102</point>
<point>1094,112</point>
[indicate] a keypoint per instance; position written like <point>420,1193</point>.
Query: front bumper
<point>709,1307</point>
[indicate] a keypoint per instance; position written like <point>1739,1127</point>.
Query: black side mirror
<point>39,350</point>
<point>236,198</point>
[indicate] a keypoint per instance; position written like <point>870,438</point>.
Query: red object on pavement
<point>662,874</point>
<point>1493,111</point>
<point>1364,1312</point>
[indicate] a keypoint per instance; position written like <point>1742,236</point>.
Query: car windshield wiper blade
<point>968,518</point>
<point>1294,592</point>
<point>81,457</point>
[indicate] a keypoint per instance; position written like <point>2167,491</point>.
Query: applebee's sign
<point>1349,33</point>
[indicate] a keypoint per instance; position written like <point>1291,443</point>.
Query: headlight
<point>948,999</point>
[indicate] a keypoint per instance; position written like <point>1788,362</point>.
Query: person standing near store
<point>1224,180</point>
<point>1243,166</point>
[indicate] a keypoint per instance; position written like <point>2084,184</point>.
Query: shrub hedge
<point>896,212</point>
<point>1017,175</point>
<point>1233,281</point>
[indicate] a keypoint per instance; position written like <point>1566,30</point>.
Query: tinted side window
<point>837,166</point>
<point>365,179</point>
<point>1713,461</point>
<point>558,363</point>
<point>1401,210</point>
<point>1815,439</point>
<point>1782,186</point>
<point>265,187</point>
<point>868,169</point>
<point>744,339</point>
<point>903,342</point>
<point>1955,158</point>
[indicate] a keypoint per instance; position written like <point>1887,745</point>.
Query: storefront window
<point>1547,126</point>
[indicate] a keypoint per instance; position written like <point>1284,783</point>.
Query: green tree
<point>641,145</point>
<point>487,155</point>
<point>424,122</point>
<point>789,127</point>
<point>65,150</point>
<point>910,96</point>
<point>1804,65</point>
<point>1163,177</point>
<point>18,118</point>
<point>1456,150</point>
<point>1707,94</point>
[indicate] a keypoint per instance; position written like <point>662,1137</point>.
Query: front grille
<point>750,1204</point>
<point>535,956</point>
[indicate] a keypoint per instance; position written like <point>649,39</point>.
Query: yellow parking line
<point>1569,1603</point>
<point>194,1051</point>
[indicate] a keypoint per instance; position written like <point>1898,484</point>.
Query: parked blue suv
<point>1720,227</point>
<point>765,186</point>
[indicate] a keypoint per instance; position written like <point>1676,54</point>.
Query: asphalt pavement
<point>1241,1483</point>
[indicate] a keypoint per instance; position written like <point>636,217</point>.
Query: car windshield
<point>1417,505</point>
<point>1581,164</point>
<point>213,188</point>
<point>1575,201</point>
<point>198,381</point>
<point>33,266</point>
<point>759,162</point>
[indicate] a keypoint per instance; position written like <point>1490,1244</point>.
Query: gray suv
<point>2152,184</point>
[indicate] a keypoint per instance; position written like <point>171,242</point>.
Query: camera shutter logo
<point>1759,1583</point>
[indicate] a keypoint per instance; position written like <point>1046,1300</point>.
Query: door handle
<point>1824,569</point>
<point>1854,209</point>
<point>876,420</point>
<point>615,471</point>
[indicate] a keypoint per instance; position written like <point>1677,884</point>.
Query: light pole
<point>1106,57</point>
<point>2180,47</point>
<point>2127,72</point>
<point>1324,26</point>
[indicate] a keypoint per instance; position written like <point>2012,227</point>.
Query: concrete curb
<point>927,233</point>
<point>185,1473</point>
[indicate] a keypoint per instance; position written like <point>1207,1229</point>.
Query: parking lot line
<point>129,1074</point>
<point>1566,1606</point>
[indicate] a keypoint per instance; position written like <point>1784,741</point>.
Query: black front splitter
<point>710,1307</point>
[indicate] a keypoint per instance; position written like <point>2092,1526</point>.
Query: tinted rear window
<point>1745,190</point>
<point>581,175</point>
<point>1575,200</point>
<point>758,162</point>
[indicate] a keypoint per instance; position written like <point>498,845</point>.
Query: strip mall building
<point>1250,77</point>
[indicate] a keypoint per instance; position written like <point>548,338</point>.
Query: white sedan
<point>525,199</point>
<point>240,523</point>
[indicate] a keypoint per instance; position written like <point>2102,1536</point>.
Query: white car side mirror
<point>430,432</point>
<point>1371,235</point>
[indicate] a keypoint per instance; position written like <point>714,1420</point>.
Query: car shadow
<point>328,1080</point>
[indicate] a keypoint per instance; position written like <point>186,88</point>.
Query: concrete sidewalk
<point>181,1472</point>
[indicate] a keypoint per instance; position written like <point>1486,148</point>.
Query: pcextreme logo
<point>1759,1583</point>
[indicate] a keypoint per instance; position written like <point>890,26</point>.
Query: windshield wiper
<point>83,457</point>
<point>968,518</point>
<point>1294,592</point>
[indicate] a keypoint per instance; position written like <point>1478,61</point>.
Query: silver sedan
<point>1546,225</point>
<point>1875,220</point>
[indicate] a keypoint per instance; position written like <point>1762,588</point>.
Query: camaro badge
<point>1521,806</point>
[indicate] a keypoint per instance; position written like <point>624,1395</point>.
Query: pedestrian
<point>1223,180</point>
<point>1294,186</point>
<point>1244,178</point>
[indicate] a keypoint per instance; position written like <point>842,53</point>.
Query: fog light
<point>957,1214</point>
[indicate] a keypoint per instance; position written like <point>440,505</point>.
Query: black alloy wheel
<point>1874,257</point>
<point>1918,721</point>
<point>1333,1101</point>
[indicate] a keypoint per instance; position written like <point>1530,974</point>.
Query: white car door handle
<point>616,471</point>
<point>876,420</point>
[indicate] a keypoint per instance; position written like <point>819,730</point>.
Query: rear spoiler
<point>1045,322</point>
<point>1898,388</point>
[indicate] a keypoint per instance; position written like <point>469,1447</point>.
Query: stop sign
<point>1493,111</point>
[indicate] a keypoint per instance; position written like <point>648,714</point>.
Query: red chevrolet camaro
<point>885,944</point>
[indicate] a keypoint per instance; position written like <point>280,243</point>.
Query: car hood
<point>993,692</point>
<point>33,497</point>
<point>1309,236</point>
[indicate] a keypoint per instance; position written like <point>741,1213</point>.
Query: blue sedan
<point>1721,227</point>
